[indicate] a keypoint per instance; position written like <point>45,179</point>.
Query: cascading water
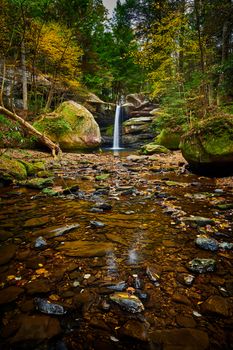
<point>116,134</point>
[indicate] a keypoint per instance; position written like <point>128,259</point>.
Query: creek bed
<point>111,267</point>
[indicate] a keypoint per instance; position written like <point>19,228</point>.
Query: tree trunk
<point>31,130</point>
<point>24,77</point>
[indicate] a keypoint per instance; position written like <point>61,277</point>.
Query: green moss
<point>153,148</point>
<point>33,168</point>
<point>11,169</point>
<point>169,139</point>
<point>109,130</point>
<point>53,126</point>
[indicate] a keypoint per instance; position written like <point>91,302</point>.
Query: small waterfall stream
<point>116,134</point>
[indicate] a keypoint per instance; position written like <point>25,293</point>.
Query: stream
<point>109,263</point>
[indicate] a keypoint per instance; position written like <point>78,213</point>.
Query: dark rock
<point>202,265</point>
<point>5,235</point>
<point>7,252</point>
<point>185,321</point>
<point>207,243</point>
<point>134,329</point>
<point>49,308</point>
<point>103,206</point>
<point>217,305</point>
<point>128,302</point>
<point>36,328</point>
<point>181,299</point>
<point>181,339</point>
<point>7,295</point>
<point>38,287</point>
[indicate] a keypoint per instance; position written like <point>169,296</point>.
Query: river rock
<point>217,305</point>
<point>7,252</point>
<point>7,295</point>
<point>85,249</point>
<point>53,232</point>
<point>49,308</point>
<point>97,224</point>
<point>202,265</point>
<point>181,339</point>
<point>38,287</point>
<point>72,126</point>
<point>153,274</point>
<point>185,321</point>
<point>36,328</point>
<point>128,302</point>
<point>37,183</point>
<point>185,279</point>
<point>119,287</point>
<point>11,169</point>
<point>181,299</point>
<point>207,243</point>
<point>134,329</point>
<point>153,148</point>
<point>40,242</point>
<point>225,246</point>
<point>195,221</point>
<point>36,222</point>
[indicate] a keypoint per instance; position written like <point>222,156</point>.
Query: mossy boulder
<point>11,169</point>
<point>33,168</point>
<point>153,148</point>
<point>209,145</point>
<point>169,139</point>
<point>72,126</point>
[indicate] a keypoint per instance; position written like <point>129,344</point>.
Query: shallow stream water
<point>130,221</point>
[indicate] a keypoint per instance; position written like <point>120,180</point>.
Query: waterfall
<point>116,134</point>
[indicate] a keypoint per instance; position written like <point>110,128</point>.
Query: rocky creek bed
<point>121,251</point>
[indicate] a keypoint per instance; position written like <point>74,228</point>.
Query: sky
<point>110,4</point>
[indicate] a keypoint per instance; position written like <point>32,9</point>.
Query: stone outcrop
<point>72,126</point>
<point>209,146</point>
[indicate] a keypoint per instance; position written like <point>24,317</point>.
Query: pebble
<point>202,265</point>
<point>40,242</point>
<point>49,308</point>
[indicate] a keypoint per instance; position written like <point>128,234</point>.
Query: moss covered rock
<point>33,168</point>
<point>153,148</point>
<point>72,126</point>
<point>209,146</point>
<point>169,139</point>
<point>11,169</point>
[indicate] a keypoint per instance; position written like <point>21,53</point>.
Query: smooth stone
<point>185,279</point>
<point>134,329</point>
<point>7,295</point>
<point>38,287</point>
<point>181,299</point>
<point>40,242</point>
<point>116,238</point>
<point>153,274</point>
<point>54,232</point>
<point>35,222</point>
<point>97,224</point>
<point>207,243</point>
<point>36,328</point>
<point>217,305</point>
<point>7,252</point>
<point>49,308</point>
<point>202,265</point>
<point>180,339</point>
<point>225,245</point>
<point>185,321</point>
<point>85,249</point>
<point>128,302</point>
<point>195,221</point>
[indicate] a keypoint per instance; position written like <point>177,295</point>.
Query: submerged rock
<point>48,308</point>
<point>195,221</point>
<point>40,242</point>
<point>7,295</point>
<point>128,302</point>
<point>85,249</point>
<point>7,252</point>
<point>120,286</point>
<point>134,329</point>
<point>59,231</point>
<point>202,265</point>
<point>153,274</point>
<point>216,305</point>
<point>207,243</point>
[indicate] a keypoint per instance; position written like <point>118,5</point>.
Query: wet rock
<point>225,246</point>
<point>134,329</point>
<point>103,206</point>
<point>181,299</point>
<point>153,274</point>
<point>38,287</point>
<point>135,158</point>
<point>116,238</point>
<point>128,302</point>
<point>5,235</point>
<point>60,231</point>
<point>36,222</point>
<point>181,339</point>
<point>97,224</point>
<point>185,321</point>
<point>7,295</point>
<point>84,300</point>
<point>7,252</point>
<point>40,242</point>
<point>37,183</point>
<point>36,328</point>
<point>186,279</point>
<point>225,206</point>
<point>85,249</point>
<point>35,262</point>
<point>99,323</point>
<point>216,305</point>
<point>49,308</point>
<point>197,221</point>
<point>207,243</point>
<point>202,265</point>
<point>119,287</point>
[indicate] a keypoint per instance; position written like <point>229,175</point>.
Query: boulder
<point>209,145</point>
<point>153,148</point>
<point>72,126</point>
<point>11,169</point>
<point>169,139</point>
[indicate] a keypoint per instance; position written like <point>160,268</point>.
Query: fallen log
<point>29,129</point>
